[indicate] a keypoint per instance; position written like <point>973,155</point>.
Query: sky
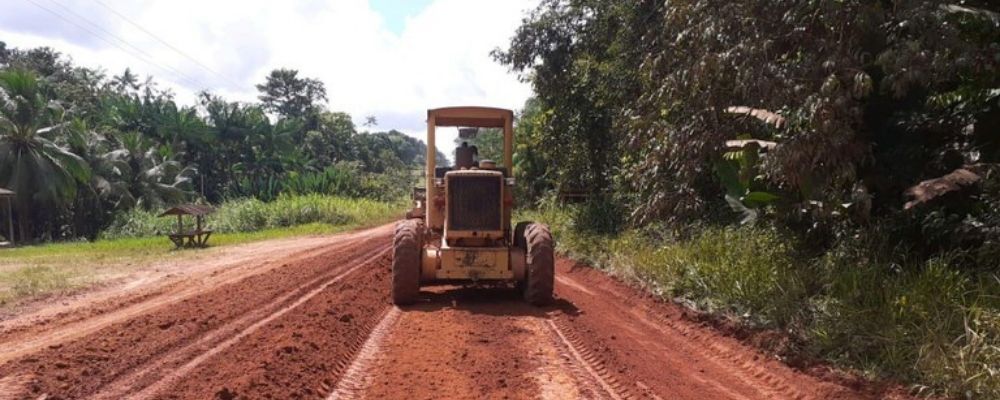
<point>391,59</point>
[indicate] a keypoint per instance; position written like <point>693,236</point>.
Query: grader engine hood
<point>474,205</point>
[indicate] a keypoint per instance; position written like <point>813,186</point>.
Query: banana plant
<point>738,173</point>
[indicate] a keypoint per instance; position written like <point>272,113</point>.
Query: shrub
<point>747,270</point>
<point>602,215</point>
<point>138,223</point>
<point>928,322</point>
<point>248,215</point>
<point>863,304</point>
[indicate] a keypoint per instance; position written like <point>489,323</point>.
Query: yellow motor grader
<point>460,230</point>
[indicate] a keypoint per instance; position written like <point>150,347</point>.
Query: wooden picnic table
<point>197,237</point>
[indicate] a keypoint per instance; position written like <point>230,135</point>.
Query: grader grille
<point>474,203</point>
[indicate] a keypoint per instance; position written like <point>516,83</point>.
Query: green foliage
<point>249,215</point>
<point>488,142</point>
<point>814,121</point>
<point>341,179</point>
<point>532,169</point>
<point>30,271</point>
<point>288,95</point>
<point>862,101</point>
<point>79,147</point>
<point>601,214</point>
<point>752,270</point>
<point>746,271</point>
<point>41,172</point>
<point>579,57</point>
<point>927,322</point>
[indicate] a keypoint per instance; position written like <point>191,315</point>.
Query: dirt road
<point>316,323</point>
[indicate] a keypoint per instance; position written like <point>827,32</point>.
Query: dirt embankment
<point>318,324</point>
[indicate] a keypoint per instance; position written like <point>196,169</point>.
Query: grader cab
<point>460,231</point>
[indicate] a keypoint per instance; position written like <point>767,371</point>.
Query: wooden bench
<point>196,238</point>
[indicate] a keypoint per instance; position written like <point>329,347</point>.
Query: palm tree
<point>180,126</point>
<point>126,82</point>
<point>152,178</point>
<point>42,173</point>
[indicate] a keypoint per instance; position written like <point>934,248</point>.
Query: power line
<point>149,58</point>
<point>126,42</point>
<point>102,38</point>
<point>165,43</point>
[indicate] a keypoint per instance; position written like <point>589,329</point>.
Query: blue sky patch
<point>395,12</point>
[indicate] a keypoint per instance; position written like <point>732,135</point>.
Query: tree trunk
<point>23,224</point>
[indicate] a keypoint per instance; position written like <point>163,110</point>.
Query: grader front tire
<point>539,264</point>
<point>407,244</point>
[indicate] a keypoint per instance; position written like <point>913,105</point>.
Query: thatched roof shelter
<point>197,237</point>
<point>189,209</point>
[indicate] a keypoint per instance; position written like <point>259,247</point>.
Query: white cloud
<point>441,57</point>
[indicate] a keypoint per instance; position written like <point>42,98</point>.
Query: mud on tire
<point>539,263</point>
<point>406,246</point>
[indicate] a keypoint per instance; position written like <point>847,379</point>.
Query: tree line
<point>831,119</point>
<point>79,146</point>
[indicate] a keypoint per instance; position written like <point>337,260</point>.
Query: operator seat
<point>464,156</point>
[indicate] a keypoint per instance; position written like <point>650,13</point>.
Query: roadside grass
<point>928,324</point>
<point>136,241</point>
<point>252,215</point>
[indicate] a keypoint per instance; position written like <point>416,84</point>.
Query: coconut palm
<point>180,126</point>
<point>42,173</point>
<point>151,176</point>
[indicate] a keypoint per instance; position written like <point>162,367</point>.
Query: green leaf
<point>758,199</point>
<point>729,176</point>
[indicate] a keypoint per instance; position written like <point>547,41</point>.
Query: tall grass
<point>927,323</point>
<point>249,215</point>
<point>132,241</point>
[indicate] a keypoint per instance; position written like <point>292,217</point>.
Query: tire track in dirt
<point>23,336</point>
<point>179,363</point>
<point>300,354</point>
<point>83,366</point>
<point>358,376</point>
<point>587,368</point>
<point>651,344</point>
<point>461,343</point>
<point>471,343</point>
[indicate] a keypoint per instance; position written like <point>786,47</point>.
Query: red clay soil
<point>666,354</point>
<point>601,339</point>
<point>319,325</point>
<point>301,353</point>
<point>460,343</point>
<point>128,356</point>
<point>65,318</point>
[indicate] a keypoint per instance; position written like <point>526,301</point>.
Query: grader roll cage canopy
<point>460,229</point>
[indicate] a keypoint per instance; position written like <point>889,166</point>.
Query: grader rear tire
<point>406,247</point>
<point>539,264</point>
